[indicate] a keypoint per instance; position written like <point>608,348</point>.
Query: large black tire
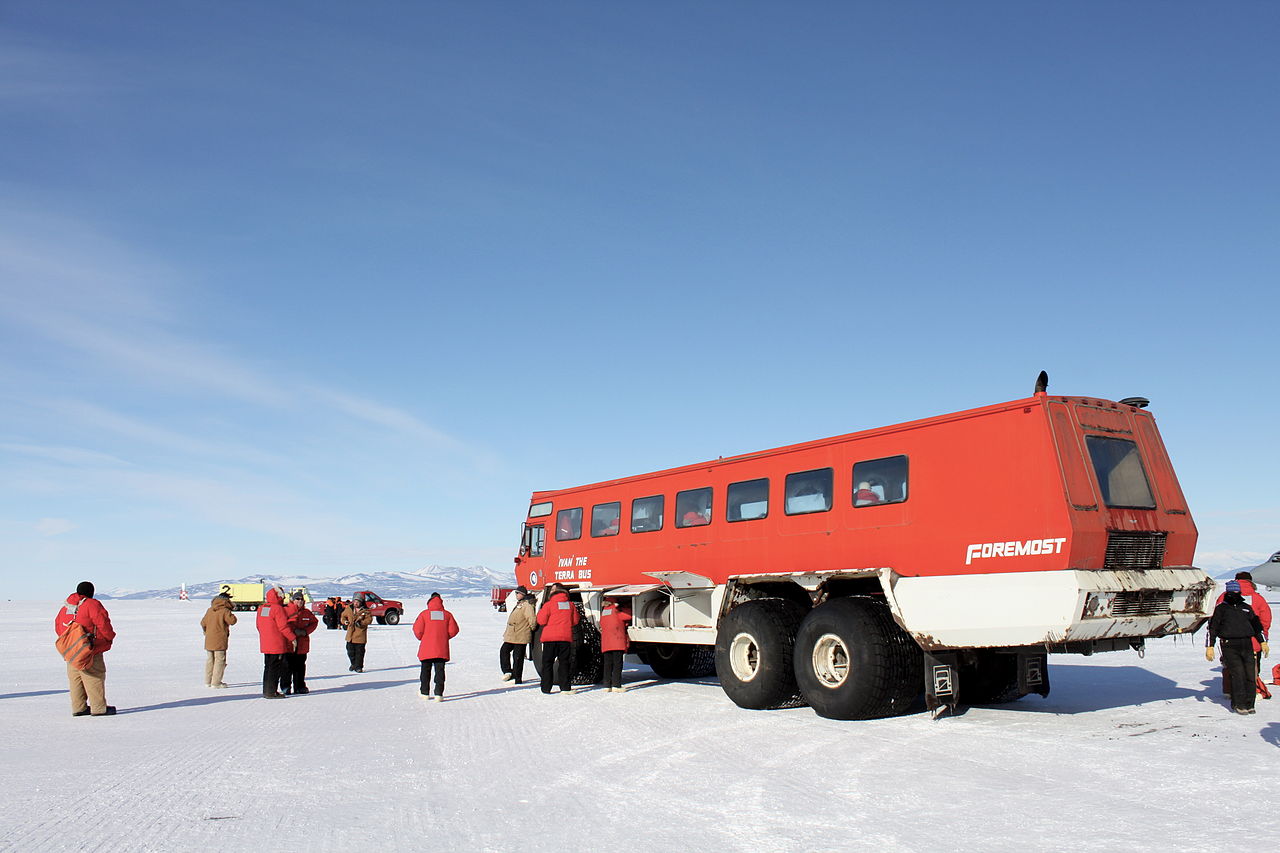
<point>853,662</point>
<point>991,680</point>
<point>754,649</point>
<point>677,660</point>
<point>535,650</point>
<point>584,658</point>
<point>393,617</point>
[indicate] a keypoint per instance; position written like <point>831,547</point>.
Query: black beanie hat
<point>85,588</point>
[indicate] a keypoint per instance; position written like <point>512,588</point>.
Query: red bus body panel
<point>1013,477</point>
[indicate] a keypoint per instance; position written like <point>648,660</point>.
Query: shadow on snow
<point>240,697</point>
<point>32,693</point>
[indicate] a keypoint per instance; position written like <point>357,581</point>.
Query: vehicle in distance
<point>498,596</point>
<point>385,610</point>
<point>251,596</point>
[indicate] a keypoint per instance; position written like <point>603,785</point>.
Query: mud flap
<point>941,683</point>
<point>1033,674</point>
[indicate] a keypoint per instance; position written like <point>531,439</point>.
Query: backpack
<point>75,644</point>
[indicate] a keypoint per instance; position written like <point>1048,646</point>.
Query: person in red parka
<point>293,677</point>
<point>434,627</point>
<point>614,618</point>
<point>558,618</point>
<point>89,685</point>
<point>275,639</point>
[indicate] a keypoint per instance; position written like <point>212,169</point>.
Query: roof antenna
<point>1042,382</point>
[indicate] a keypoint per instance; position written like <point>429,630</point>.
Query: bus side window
<point>747,500</point>
<point>569,524</point>
<point>605,518</point>
<point>693,507</point>
<point>809,491</point>
<point>880,481</point>
<point>646,514</point>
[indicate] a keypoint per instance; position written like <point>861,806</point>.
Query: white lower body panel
<point>1044,608</point>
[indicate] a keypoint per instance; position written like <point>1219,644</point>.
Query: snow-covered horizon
<point>447,580</point>
<point>474,580</point>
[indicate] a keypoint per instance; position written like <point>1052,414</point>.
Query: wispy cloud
<point>100,419</point>
<point>66,455</point>
<point>68,285</point>
<point>54,526</point>
<point>385,416</point>
<point>144,350</point>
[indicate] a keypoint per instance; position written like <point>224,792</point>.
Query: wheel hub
<point>744,657</point>
<point>830,660</point>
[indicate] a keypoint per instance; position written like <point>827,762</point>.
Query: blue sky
<point>320,288</point>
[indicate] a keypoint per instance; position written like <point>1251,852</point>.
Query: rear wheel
<point>754,649</point>
<point>393,617</point>
<point>853,662</point>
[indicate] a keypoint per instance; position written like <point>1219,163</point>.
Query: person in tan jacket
<point>521,623</point>
<point>216,625</point>
<point>356,619</point>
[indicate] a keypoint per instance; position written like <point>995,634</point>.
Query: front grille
<point>1142,604</point>
<point>1134,551</point>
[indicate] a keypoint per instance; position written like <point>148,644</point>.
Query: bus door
<point>533,543</point>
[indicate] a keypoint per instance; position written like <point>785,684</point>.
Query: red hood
<point>1247,587</point>
<point>273,596</point>
<point>75,598</point>
<point>435,604</point>
<point>559,596</point>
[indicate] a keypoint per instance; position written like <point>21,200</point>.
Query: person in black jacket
<point>1236,626</point>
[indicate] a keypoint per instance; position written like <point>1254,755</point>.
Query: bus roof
<point>1036,400</point>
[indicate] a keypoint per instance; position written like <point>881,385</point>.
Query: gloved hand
<point>1266,652</point>
<point>1208,653</point>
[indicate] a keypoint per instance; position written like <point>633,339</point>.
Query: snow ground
<point>1126,753</point>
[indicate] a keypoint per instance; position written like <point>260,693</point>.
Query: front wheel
<point>754,649</point>
<point>393,617</point>
<point>585,663</point>
<point>853,662</point>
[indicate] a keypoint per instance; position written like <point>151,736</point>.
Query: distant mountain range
<point>449,581</point>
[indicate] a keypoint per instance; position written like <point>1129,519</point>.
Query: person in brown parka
<point>356,619</point>
<point>216,625</point>
<point>522,621</point>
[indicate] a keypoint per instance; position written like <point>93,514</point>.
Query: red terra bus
<point>946,556</point>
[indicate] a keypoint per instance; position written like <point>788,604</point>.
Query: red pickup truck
<point>385,610</point>
<point>498,595</point>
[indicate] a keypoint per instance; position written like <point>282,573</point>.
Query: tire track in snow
<point>121,793</point>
